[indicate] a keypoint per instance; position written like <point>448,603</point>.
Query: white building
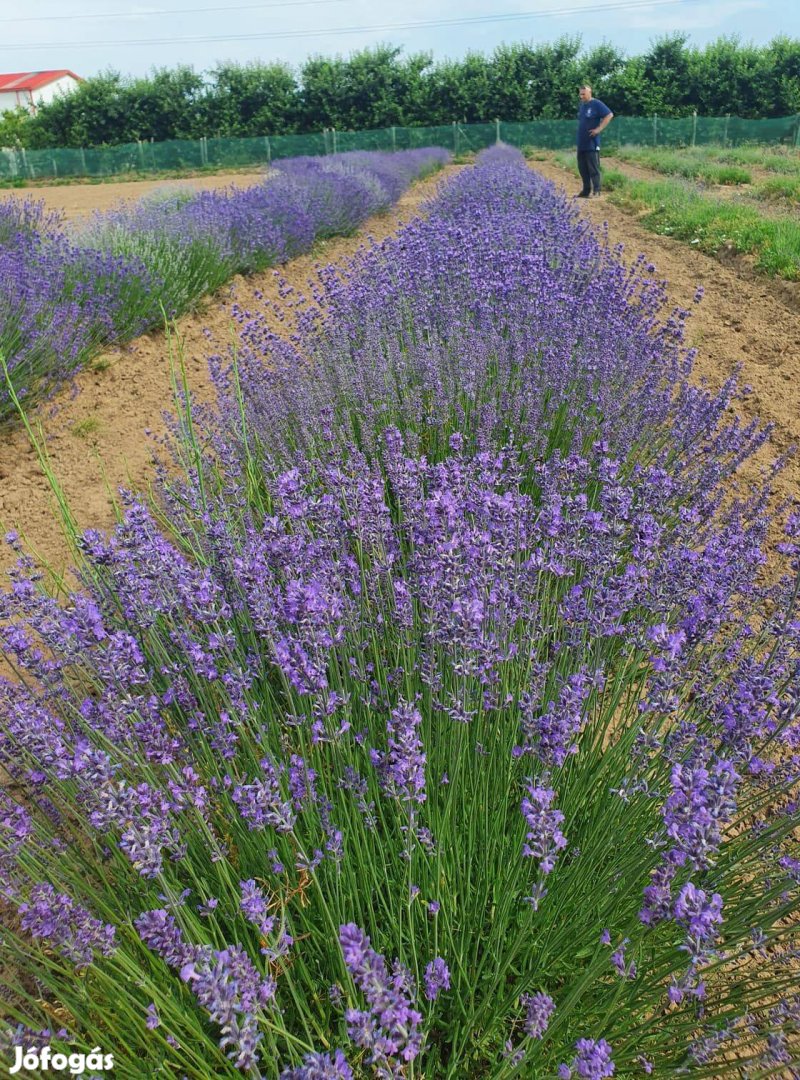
<point>27,89</point>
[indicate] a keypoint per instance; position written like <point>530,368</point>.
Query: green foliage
<point>14,128</point>
<point>692,165</point>
<point>677,209</point>
<point>380,88</point>
<point>779,188</point>
<point>248,99</point>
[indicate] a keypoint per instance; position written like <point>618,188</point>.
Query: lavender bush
<point>65,298</point>
<point>198,243</point>
<point>438,721</point>
<point>59,302</point>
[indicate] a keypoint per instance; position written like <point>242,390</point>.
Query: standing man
<point>593,117</point>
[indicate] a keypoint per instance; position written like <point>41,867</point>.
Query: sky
<point>133,36</point>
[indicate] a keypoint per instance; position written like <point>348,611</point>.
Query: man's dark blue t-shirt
<point>590,113</point>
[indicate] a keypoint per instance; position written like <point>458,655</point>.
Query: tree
<point>97,113</point>
<point>535,81</point>
<point>374,88</point>
<point>163,105</point>
<point>15,128</point>
<point>250,99</point>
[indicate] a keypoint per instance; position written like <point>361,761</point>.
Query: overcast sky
<point>89,36</point>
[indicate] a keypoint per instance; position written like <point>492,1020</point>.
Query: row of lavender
<point>64,297</point>
<point>440,723</point>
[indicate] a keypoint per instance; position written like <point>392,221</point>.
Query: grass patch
<point>674,208</point>
<point>778,189</point>
<point>86,428</point>
<point>773,159</point>
<point>688,164</point>
<point>678,210</point>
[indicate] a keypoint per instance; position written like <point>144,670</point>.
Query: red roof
<point>32,80</point>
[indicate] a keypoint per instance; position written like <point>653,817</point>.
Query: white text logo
<point>75,1064</point>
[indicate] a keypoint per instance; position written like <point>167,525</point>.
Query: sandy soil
<point>77,201</point>
<point>744,319</point>
<point>95,432</point>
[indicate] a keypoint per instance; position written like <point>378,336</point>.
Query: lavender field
<point>67,294</point>
<point>440,718</point>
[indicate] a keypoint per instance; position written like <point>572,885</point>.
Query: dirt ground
<point>95,431</point>
<point>744,319</point>
<point>77,201</point>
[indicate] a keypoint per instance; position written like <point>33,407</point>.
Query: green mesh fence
<point>183,154</point>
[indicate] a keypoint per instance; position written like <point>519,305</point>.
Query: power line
<point>475,20</point>
<point>172,11</point>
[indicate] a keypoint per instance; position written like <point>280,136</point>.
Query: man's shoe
<point>581,195</point>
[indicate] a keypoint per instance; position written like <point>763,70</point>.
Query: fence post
<point>655,129</point>
<point>496,130</point>
<point>26,164</point>
<point>694,128</point>
<point>394,137</point>
<point>797,132</point>
<point>725,137</point>
<point>333,132</point>
<point>83,161</point>
<point>141,154</point>
<point>455,138</point>
<point>269,150</point>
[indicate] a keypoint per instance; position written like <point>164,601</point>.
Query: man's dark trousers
<point>589,168</point>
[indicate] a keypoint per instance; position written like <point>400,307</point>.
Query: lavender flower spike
<point>540,1008</point>
<point>545,839</point>
<point>593,1060</point>
<point>391,1028</point>
<point>404,763</point>
<point>320,1067</point>
<point>67,926</point>
<point>437,978</point>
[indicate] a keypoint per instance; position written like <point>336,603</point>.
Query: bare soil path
<point>95,432</point>
<point>744,319</point>
<point>78,201</point>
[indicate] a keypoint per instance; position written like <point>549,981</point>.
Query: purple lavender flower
<point>700,916</point>
<point>551,734</point>
<point>391,1027</point>
<point>403,765</point>
<point>544,838</point>
<point>658,895</point>
<point>700,801</point>
<point>437,978</point>
<point>320,1067</point>
<point>67,926</point>
<point>225,983</point>
<point>255,908</point>
<point>539,1007</point>
<point>261,803</point>
<point>593,1059</point>
<point>624,970</point>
